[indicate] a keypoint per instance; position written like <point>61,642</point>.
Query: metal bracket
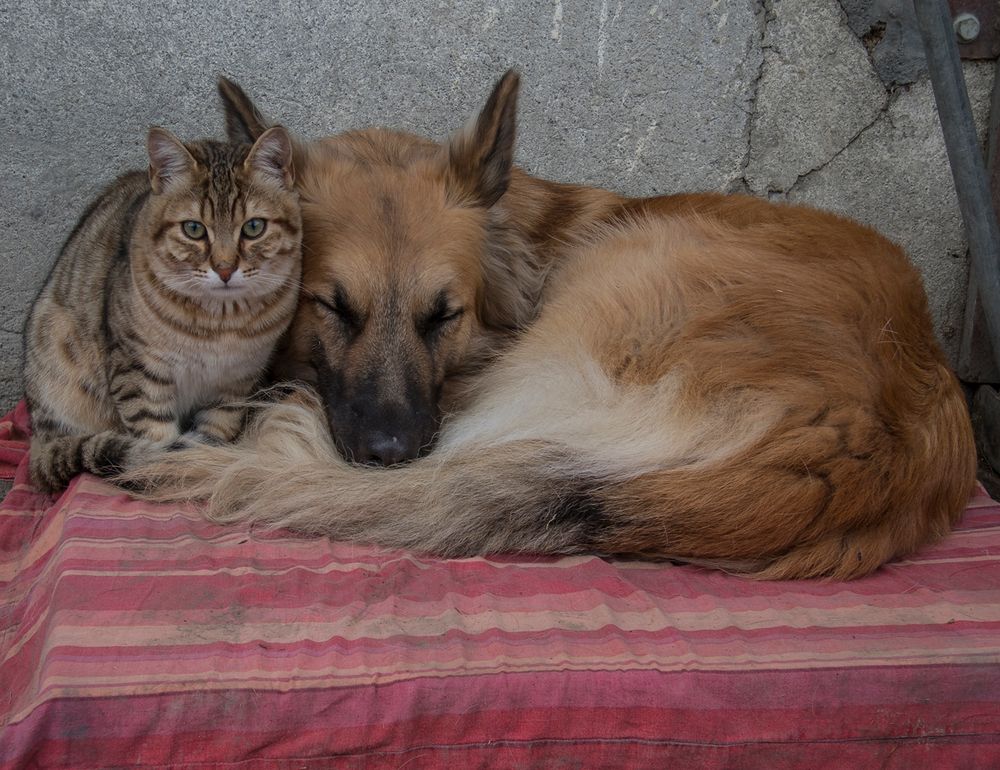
<point>977,28</point>
<point>965,156</point>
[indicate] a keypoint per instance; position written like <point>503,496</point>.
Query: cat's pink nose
<point>225,273</point>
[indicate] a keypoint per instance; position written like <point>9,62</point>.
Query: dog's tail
<point>286,472</point>
<point>805,500</point>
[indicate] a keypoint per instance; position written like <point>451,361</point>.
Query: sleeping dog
<point>708,378</point>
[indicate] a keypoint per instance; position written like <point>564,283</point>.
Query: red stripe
<point>653,715</point>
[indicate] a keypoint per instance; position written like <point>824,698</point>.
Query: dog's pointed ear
<point>481,155</point>
<point>169,160</point>
<point>244,123</point>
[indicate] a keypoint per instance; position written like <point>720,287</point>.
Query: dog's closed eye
<point>441,314</point>
<point>339,306</point>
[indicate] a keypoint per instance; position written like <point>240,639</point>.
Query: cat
<point>164,306</point>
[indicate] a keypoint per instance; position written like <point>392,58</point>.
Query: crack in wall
<point>763,13</point>
<point>891,95</point>
<point>869,39</point>
<point>888,31</point>
<point>882,113</point>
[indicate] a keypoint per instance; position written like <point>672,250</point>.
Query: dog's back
<point>765,397</point>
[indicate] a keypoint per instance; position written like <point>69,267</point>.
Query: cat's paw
<point>159,433</point>
<point>143,451</point>
<point>140,452</point>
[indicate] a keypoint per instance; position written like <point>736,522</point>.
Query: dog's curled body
<point>706,378</point>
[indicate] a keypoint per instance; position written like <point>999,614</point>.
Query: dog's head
<point>402,236</point>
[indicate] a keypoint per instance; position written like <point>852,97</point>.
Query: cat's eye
<point>193,230</point>
<point>253,228</point>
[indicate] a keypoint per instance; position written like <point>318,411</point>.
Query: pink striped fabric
<point>134,635</point>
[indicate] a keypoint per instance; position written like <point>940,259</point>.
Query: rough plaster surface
<point>643,97</point>
<point>817,91</point>
<point>908,197</point>
<point>889,31</point>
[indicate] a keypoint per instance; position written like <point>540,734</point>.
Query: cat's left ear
<point>271,155</point>
<point>169,160</point>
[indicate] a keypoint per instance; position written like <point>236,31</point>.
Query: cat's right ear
<point>169,160</point>
<point>244,123</point>
<point>271,155</point>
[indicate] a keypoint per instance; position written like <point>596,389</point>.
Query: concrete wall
<point>781,99</point>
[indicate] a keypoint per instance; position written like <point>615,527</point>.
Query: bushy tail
<point>809,500</point>
<point>55,460</point>
<point>836,496</point>
<point>286,472</point>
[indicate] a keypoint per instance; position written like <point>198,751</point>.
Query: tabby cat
<point>164,306</point>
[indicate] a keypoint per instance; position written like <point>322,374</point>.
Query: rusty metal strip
<point>975,357</point>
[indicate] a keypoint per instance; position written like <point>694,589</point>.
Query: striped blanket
<point>134,635</point>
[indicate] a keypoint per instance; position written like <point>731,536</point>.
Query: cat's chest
<point>205,375</point>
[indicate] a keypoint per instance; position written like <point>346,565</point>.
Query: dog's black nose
<point>384,449</point>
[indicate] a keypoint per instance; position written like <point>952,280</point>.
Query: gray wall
<point>779,99</point>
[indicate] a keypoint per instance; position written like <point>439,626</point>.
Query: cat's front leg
<point>145,397</point>
<point>221,423</point>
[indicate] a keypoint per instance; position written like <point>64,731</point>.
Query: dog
<point>713,379</point>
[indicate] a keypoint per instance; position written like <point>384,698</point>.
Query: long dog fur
<point>705,378</point>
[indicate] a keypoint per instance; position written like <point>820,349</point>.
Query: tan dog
<point>708,378</point>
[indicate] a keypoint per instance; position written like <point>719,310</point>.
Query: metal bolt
<point>966,27</point>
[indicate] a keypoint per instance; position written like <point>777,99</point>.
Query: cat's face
<point>224,220</point>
